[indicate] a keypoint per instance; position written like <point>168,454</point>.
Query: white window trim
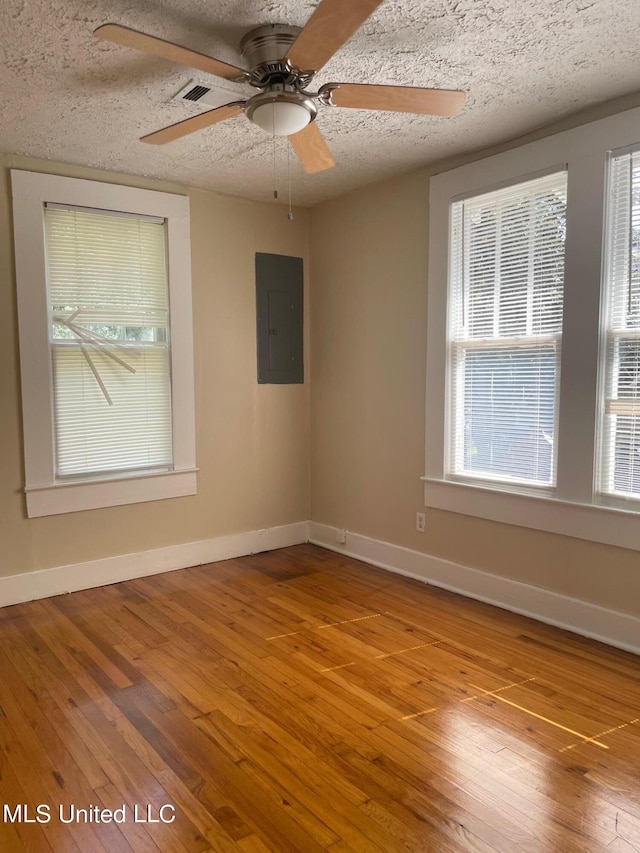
<point>45,496</point>
<point>572,508</point>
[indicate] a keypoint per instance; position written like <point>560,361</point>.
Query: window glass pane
<point>626,469</point>
<point>113,268</point>
<point>508,425</point>
<point>511,273</point>
<point>131,434</point>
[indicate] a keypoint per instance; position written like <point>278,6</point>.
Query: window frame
<point>44,494</point>
<point>573,507</point>
<point>456,344</point>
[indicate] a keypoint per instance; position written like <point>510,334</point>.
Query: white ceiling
<point>69,97</point>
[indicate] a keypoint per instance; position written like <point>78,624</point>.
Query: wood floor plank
<point>252,802</point>
<point>298,701</point>
<point>32,780</point>
<point>16,837</point>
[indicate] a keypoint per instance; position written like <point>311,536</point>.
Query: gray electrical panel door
<point>279,307</point>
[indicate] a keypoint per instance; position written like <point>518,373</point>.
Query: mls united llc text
<point>43,813</point>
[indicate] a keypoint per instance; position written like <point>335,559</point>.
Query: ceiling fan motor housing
<point>267,44</point>
<point>265,50</point>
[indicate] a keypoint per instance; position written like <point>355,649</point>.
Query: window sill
<point>610,525</point>
<point>60,498</point>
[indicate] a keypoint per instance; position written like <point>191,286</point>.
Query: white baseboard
<point>581,617</point>
<point>46,582</point>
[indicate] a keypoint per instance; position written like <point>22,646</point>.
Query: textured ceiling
<point>66,96</point>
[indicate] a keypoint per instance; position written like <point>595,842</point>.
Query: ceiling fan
<point>282,62</point>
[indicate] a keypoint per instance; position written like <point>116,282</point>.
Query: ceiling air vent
<point>223,92</point>
<point>195,93</point>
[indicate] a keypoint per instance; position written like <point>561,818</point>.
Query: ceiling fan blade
<point>331,24</point>
<point>311,149</point>
<point>168,50</point>
<point>190,125</point>
<point>398,99</point>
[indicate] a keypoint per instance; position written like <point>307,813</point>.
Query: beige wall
<point>252,441</point>
<point>368,309</point>
<point>369,259</point>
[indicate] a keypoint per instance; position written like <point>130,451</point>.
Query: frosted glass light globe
<point>281,118</point>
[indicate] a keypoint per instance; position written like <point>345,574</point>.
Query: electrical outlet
<point>341,536</point>
<point>421,522</point>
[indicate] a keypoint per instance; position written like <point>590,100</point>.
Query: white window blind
<point>505,324</point>
<point>620,427</point>
<point>108,298</point>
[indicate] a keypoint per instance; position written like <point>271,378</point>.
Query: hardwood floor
<point>299,701</point>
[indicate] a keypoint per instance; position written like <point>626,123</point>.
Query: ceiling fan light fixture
<point>281,113</point>
<point>281,118</point>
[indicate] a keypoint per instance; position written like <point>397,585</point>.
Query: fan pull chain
<point>273,137</point>
<point>290,214</point>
